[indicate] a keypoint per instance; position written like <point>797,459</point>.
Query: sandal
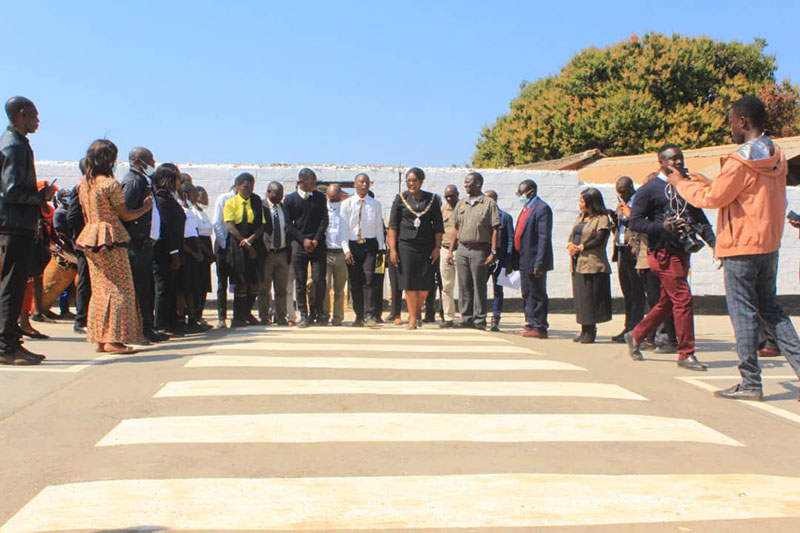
<point>34,334</point>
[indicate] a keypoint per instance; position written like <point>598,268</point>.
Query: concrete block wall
<point>559,188</point>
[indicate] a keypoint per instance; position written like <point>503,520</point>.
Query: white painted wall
<point>559,188</point>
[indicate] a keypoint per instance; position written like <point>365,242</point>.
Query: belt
<point>335,251</point>
<point>276,250</point>
<point>474,245</point>
<point>365,241</point>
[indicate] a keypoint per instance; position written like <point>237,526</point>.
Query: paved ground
<point>343,428</point>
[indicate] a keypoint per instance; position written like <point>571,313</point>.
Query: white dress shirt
<point>190,226</point>
<point>155,215</point>
<point>204,226</point>
<point>220,227</point>
<point>371,221</point>
<point>333,235</point>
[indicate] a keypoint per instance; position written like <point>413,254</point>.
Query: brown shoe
<point>533,334</point>
<point>769,351</point>
<point>18,358</point>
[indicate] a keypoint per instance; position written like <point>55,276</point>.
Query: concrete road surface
<point>342,428</point>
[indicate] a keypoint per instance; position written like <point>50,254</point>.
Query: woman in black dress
<point>415,239</point>
<point>591,272</point>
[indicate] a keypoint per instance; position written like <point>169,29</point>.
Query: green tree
<point>633,96</point>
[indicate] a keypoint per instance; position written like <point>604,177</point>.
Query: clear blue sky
<point>371,82</point>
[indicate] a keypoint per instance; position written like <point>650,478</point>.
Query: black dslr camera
<point>685,231</point>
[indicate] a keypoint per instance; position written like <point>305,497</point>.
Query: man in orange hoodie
<point>750,193</point>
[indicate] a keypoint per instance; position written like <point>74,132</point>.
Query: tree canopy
<point>636,95</point>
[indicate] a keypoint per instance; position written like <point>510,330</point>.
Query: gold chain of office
<point>417,214</point>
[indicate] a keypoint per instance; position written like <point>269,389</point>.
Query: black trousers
<point>83,291</point>
<point>166,312</point>
<point>666,332</point>
<point>535,302</point>
<point>363,285</point>
<point>17,257</point>
<point>430,299</point>
<point>140,254</point>
<point>396,291</point>
<point>632,286</point>
<point>319,267</point>
<point>222,283</point>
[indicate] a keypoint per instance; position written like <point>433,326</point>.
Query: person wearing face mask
<point>532,256</point>
<point>144,232</point>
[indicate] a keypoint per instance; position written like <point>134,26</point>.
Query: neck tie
<point>276,228</point>
<point>360,209</point>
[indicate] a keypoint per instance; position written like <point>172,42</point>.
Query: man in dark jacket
<point>533,257</point>
<point>136,186</point>
<point>20,201</point>
<point>660,212</point>
<point>505,247</point>
<point>306,223</point>
<point>83,291</point>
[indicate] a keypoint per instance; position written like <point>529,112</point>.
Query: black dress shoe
<point>429,318</point>
<point>619,339</point>
<point>633,347</point>
<point>465,325</point>
<point>303,323</point>
<point>282,322</point>
<point>447,324</point>
<point>691,363</point>
<point>358,323</point>
<point>238,323</point>
<point>152,336</point>
<point>251,320</point>
<point>737,392</point>
<point>495,324</point>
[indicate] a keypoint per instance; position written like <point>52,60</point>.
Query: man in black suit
<point>20,204</point>
<point>83,291</point>
<point>136,186</point>
<point>306,223</point>
<point>533,257</point>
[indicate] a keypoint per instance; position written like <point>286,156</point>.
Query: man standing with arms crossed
<point>362,239</point>
<point>750,193</point>
<point>20,201</point>
<point>533,257</point>
<point>475,234</point>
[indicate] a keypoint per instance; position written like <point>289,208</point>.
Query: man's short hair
<point>477,175</point>
<point>530,185</point>
<point>668,146</point>
<point>306,174</point>
<point>15,104</point>
<point>753,108</point>
<point>242,178</point>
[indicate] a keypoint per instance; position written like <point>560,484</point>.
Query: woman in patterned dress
<point>114,319</point>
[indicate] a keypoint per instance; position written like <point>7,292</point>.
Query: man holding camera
<point>671,226</point>
<point>750,193</point>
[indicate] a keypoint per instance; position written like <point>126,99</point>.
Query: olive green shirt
<point>593,260</point>
<point>475,223</point>
<point>449,218</point>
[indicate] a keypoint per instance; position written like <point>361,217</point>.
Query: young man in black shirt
<point>306,223</point>
<point>654,212</point>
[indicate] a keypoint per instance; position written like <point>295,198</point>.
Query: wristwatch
<point>493,252</point>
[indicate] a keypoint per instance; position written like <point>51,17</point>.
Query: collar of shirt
<point>472,200</point>
<point>531,201</point>
<point>662,177</point>
<point>303,194</point>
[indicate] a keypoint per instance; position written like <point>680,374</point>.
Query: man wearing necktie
<point>361,219</point>
<point>276,264</point>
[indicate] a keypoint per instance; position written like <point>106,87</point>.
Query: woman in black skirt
<point>415,239</point>
<point>591,272</point>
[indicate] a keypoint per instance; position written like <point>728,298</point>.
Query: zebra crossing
<point>463,366</point>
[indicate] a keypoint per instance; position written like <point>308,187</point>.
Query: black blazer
<point>536,241</point>
<point>75,213</point>
<point>173,222</point>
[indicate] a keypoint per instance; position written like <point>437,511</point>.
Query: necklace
<point>417,214</point>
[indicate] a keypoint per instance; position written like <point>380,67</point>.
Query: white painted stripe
<point>265,345</point>
<point>375,336</point>
<point>254,387</point>
<point>48,365</point>
<point>407,502</point>
<point>377,363</point>
<point>410,427</point>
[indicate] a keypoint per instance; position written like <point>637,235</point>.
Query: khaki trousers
<point>448,284</point>
<point>336,278</point>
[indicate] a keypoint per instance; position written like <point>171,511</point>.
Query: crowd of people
<point>136,254</point>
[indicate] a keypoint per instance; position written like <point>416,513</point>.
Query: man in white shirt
<point>362,239</point>
<point>337,269</point>
<point>276,264</point>
<point>220,236</point>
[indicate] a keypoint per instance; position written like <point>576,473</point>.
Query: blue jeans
<point>749,292</point>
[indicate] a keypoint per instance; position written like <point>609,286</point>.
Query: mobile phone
<point>794,217</point>
<point>50,185</point>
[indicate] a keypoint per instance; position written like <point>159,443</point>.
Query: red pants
<point>672,269</point>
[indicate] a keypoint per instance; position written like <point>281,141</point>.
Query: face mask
<point>334,204</point>
<point>149,170</point>
<point>523,198</point>
<point>189,203</point>
<point>114,169</point>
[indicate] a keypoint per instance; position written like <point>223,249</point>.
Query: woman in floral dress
<point>114,319</point>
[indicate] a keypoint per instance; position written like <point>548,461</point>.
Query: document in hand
<point>508,279</point>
